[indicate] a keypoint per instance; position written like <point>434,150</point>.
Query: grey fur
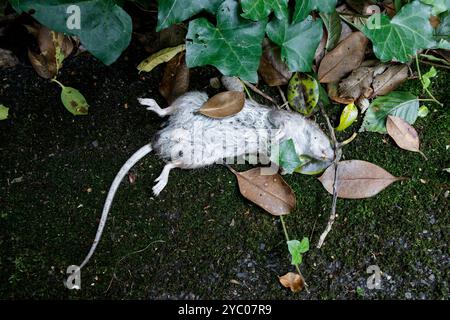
<point>195,134</point>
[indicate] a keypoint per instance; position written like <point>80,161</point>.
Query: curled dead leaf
<point>271,67</point>
<point>223,104</point>
<point>356,84</point>
<point>175,80</point>
<point>357,179</point>
<point>270,192</point>
<point>7,59</point>
<point>54,48</point>
<point>346,57</point>
<point>41,65</point>
<point>404,135</point>
<point>293,281</point>
<point>332,90</point>
<point>389,80</point>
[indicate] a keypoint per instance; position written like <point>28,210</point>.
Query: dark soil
<point>200,238</point>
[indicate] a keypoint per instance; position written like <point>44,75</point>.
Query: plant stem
<point>426,100</point>
<point>435,64</point>
<point>296,266</point>
<point>59,83</point>
<point>246,90</point>
<point>284,228</point>
<point>256,90</point>
<point>423,85</point>
<point>337,157</point>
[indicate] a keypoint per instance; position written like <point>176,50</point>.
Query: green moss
<point>200,233</point>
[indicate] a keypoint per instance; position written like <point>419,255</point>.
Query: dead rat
<point>191,140</point>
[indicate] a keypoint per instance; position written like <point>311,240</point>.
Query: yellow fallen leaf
<point>159,57</point>
<point>348,116</point>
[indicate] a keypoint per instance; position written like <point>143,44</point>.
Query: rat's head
<point>308,138</point>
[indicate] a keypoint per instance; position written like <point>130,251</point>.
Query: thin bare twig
<point>434,64</point>
<point>285,102</point>
<point>256,90</point>
<point>337,157</point>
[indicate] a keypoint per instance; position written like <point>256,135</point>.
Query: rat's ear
<point>276,118</point>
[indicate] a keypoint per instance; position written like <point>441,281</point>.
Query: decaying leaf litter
<point>342,68</point>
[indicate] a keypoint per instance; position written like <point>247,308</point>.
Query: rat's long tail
<point>138,155</point>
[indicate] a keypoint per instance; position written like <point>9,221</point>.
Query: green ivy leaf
<point>3,112</point>
<point>288,157</point>
<point>280,8</point>
<point>298,41</point>
<point>332,22</point>
<point>74,101</point>
<point>400,38</point>
<point>256,9</point>
<point>439,6</point>
<point>297,249</point>
<point>443,30</point>
<point>259,9</point>
<point>397,103</point>
<point>304,7</point>
<point>426,78</point>
<point>105,28</point>
<point>233,46</point>
<point>176,11</point>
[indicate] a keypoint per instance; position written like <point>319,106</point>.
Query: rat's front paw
<point>151,103</point>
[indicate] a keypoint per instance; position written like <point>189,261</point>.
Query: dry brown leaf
<point>46,45</point>
<point>357,179</point>
<point>358,5</point>
<point>175,80</point>
<point>404,135</point>
<point>332,90</point>
<point>321,48</point>
<point>7,59</point>
<point>223,104</point>
<point>389,79</point>
<point>346,57</point>
<point>41,65</point>
<point>272,69</point>
<point>52,45</point>
<point>168,37</point>
<point>357,83</point>
<point>293,281</point>
<point>346,31</point>
<point>270,192</point>
<point>49,41</point>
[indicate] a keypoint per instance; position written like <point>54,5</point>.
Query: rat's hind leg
<point>164,176</point>
<point>154,106</point>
